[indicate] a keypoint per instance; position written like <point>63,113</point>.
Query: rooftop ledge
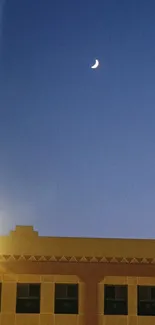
<point>25,241</point>
<point>24,230</point>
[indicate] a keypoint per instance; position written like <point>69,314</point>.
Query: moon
<point>95,65</point>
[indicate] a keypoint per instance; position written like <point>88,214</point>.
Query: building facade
<point>75,281</point>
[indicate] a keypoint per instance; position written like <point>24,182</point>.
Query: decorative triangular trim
<point>113,260</point>
<point>22,258</point>
<point>83,259</point>
<point>58,258</point>
<point>108,259</point>
<point>134,261</point>
<point>53,259</point>
<point>77,259</point>
<point>11,258</point>
<point>124,261</point>
<point>42,259</point>
<point>73,259</point>
<point>27,257</point>
<point>94,260</point>
<point>63,259</point>
<point>32,259</point>
<point>104,260</point>
<point>144,261</point>
<point>16,257</point>
<point>6,257</point>
<point>37,257</point>
<point>47,257</point>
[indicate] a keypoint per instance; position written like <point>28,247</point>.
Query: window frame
<point>113,306</point>
<point>74,301</point>
<point>28,298</point>
<point>145,306</point>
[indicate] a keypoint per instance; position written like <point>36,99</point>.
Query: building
<point>76,281</point>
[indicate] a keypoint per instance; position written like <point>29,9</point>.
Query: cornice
<point>76,259</point>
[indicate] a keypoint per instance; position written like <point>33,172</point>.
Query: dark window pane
<point>116,292</point>
<point>146,308</point>
<point>109,292</point>
<point>66,298</point>
<point>144,293</point>
<point>153,293</point>
<point>116,300</point>
<point>72,291</point>
<point>113,307</point>
<point>60,291</point>
<point>66,290</point>
<point>66,306</point>
<point>146,300</point>
<point>22,290</point>
<point>120,292</point>
<point>34,290</point>
<point>28,306</point>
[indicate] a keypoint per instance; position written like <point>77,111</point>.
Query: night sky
<point>77,146</point>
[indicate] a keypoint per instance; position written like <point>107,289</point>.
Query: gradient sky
<point>77,146</point>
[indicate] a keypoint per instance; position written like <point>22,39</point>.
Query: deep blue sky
<point>77,146</point>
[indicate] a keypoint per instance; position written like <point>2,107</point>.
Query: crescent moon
<point>95,65</point>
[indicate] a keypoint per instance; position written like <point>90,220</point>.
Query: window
<point>115,300</point>
<point>28,299</point>
<point>66,298</point>
<point>146,300</point>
